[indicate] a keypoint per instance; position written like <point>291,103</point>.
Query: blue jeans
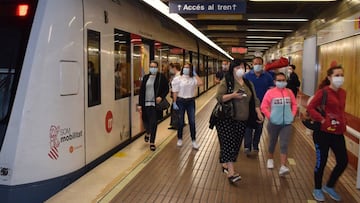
<point>252,137</point>
<point>187,105</point>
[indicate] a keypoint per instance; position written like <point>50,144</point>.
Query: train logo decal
<point>59,135</point>
<point>54,142</point>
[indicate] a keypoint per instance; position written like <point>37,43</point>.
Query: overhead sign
<point>209,7</point>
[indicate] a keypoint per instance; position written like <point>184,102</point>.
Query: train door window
<point>94,69</point>
<point>141,59</point>
<point>162,55</point>
<point>176,55</point>
<point>122,84</point>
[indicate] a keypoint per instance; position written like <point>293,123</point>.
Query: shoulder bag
<point>223,110</point>
<point>310,123</point>
<point>164,104</point>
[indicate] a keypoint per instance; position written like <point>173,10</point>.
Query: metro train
<point>70,73</point>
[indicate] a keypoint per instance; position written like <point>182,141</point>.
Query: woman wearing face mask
<point>153,89</point>
<point>331,134</point>
<point>231,130</point>
<point>183,88</point>
<point>279,106</point>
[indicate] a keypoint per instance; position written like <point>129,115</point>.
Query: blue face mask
<point>186,71</point>
<point>258,68</point>
<point>280,84</point>
<point>153,70</point>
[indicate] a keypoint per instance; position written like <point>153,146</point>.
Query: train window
<point>122,84</point>
<point>14,36</point>
<point>94,68</point>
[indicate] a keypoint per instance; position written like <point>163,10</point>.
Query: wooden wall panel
<point>347,53</point>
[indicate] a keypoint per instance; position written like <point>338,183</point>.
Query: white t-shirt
<point>184,86</point>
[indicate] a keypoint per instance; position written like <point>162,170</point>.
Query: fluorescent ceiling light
<point>279,19</point>
<point>219,17</point>
<point>267,30</point>
<point>289,0</point>
<point>164,9</point>
<point>263,42</point>
<point>262,37</point>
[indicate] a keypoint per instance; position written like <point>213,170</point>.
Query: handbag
<point>224,110</point>
<point>163,105</point>
<point>310,123</point>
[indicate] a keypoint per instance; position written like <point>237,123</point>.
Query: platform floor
<point>182,174</point>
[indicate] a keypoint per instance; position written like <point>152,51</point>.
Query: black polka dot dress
<point>230,133</point>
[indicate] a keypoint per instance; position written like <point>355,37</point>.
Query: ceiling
<point>236,30</point>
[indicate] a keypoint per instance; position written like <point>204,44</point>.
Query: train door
<point>122,85</point>
<point>140,62</point>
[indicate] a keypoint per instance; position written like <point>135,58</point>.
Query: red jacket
<point>335,121</point>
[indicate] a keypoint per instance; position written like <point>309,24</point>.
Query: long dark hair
<point>329,72</point>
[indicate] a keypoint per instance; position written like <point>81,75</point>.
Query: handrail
<point>353,131</point>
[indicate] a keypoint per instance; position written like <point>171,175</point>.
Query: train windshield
<point>16,19</point>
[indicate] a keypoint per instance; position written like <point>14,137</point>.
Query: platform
<point>182,174</point>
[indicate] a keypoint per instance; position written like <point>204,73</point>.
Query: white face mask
<point>240,72</point>
<point>280,84</point>
<point>186,71</point>
<point>258,68</point>
<point>153,71</point>
<point>337,81</point>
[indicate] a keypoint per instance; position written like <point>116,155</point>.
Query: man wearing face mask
<point>293,82</point>
<point>279,106</point>
<point>331,133</point>
<point>220,74</point>
<point>262,81</point>
<point>153,89</point>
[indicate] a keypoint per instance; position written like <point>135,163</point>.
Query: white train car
<point>60,110</point>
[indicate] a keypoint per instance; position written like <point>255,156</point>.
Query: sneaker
<point>195,145</point>
<point>256,150</point>
<point>270,164</point>
<point>283,170</point>
<point>335,196</point>
<point>318,195</point>
<point>247,151</point>
<point>179,143</point>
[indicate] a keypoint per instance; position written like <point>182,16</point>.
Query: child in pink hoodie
<point>279,106</point>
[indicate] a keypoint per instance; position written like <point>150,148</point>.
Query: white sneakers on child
<point>270,164</point>
<point>283,170</point>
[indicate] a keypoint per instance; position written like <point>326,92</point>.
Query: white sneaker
<point>179,143</point>
<point>195,145</point>
<point>270,164</point>
<point>283,170</point>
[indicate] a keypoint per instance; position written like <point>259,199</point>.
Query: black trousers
<point>149,118</point>
<point>323,142</point>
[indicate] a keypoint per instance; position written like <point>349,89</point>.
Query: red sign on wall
<point>108,121</point>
